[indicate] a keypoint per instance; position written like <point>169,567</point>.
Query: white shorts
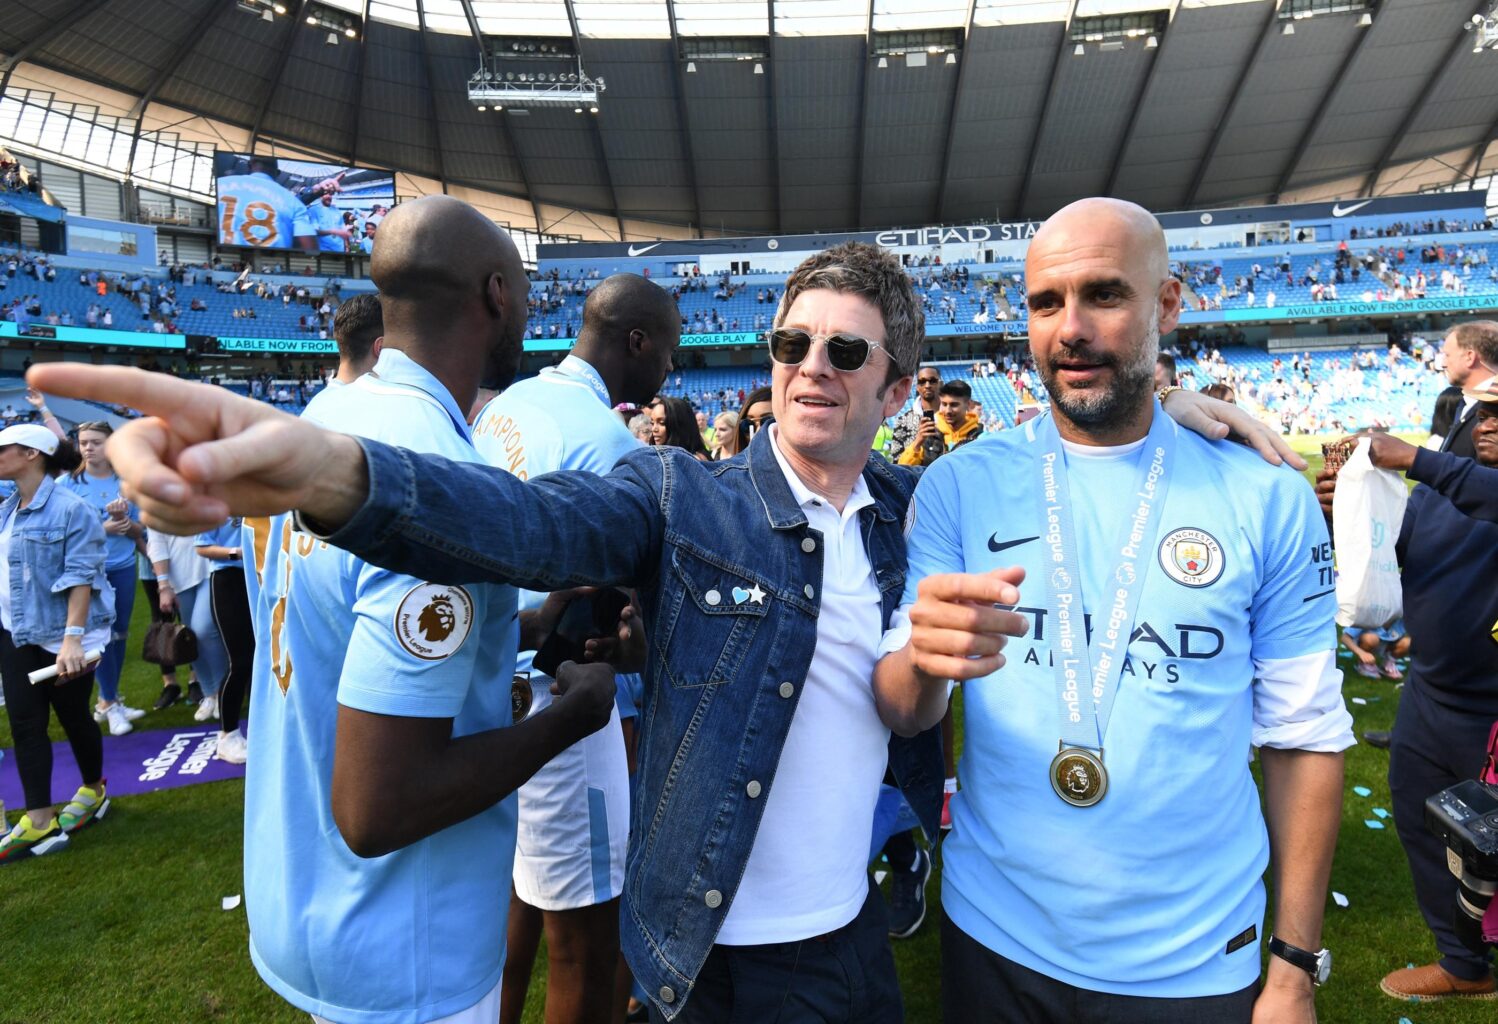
<point>485,1011</point>
<point>574,820</point>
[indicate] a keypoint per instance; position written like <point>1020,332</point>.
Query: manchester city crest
<point>1191,557</point>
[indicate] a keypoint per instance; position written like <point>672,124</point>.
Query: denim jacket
<point>722,678</point>
<point>56,542</point>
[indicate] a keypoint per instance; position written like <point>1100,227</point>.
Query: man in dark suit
<point>1471,354</point>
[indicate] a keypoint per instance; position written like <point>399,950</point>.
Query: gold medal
<point>1078,776</point>
<point>520,698</point>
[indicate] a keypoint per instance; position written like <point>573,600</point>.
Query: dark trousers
<point>978,986</point>
<point>29,709</point>
<point>1434,747</point>
<point>231,613</point>
<point>842,977</point>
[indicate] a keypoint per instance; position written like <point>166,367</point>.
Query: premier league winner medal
<point>1088,670</point>
<point>1078,777</point>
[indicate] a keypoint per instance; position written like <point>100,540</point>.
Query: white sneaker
<point>100,713</point>
<point>207,708</point>
<point>119,725</point>
<point>132,714</point>
<point>232,747</point>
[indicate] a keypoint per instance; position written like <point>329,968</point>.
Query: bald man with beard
<point>380,816</point>
<point>1106,858</point>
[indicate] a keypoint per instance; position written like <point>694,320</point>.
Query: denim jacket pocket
<point>714,610</point>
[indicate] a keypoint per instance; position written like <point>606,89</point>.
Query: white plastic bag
<point>1367,512</point>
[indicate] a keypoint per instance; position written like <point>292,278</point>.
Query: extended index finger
<point>1000,586</point>
<point>157,394</point>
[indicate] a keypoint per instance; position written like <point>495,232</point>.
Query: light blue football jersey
<point>229,535</point>
<point>559,419</point>
<point>327,218</point>
<point>1143,893</point>
<point>255,210</point>
<point>419,933</point>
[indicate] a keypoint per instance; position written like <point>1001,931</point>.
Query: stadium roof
<point>833,127</point>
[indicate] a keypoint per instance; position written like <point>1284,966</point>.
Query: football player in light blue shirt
<point>574,813</point>
<point>379,814</point>
<point>333,235</point>
<point>256,210</point>
<point>1108,845</point>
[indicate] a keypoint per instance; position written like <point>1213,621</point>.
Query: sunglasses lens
<point>847,353</point>
<point>789,346</point>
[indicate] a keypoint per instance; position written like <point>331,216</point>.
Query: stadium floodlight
<point>1365,20</point>
<point>691,67</point>
<point>1078,50</point>
<point>1289,29</point>
<point>1484,29</point>
<point>524,90</point>
<point>884,62</point>
<point>1152,42</point>
<point>759,69</point>
<point>951,58</point>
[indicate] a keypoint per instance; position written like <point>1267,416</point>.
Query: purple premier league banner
<point>137,762</point>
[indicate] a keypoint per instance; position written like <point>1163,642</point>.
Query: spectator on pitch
<point>574,812</point>
<point>927,401</point>
<point>1470,351</point>
<point>955,424</point>
<point>358,328</point>
<point>1448,551</point>
<point>726,434</point>
<point>1165,371</point>
<point>733,905</point>
<point>223,550</point>
<point>675,425</point>
<point>1376,652</point>
<point>181,575</point>
<point>1102,826</point>
<point>1221,392</point>
<point>94,481</point>
<point>60,610</point>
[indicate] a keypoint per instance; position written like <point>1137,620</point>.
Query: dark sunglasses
<point>846,352</point>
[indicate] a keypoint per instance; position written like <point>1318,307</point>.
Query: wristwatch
<point>1317,965</point>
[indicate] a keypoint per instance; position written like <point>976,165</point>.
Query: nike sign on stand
<point>641,250</point>
<point>1338,210</point>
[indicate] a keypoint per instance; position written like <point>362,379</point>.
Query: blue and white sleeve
<point>1297,685</point>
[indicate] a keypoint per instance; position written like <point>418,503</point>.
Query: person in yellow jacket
<point>955,424</point>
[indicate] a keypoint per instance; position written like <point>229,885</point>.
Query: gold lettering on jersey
<point>260,536</point>
<point>511,441</point>
<point>280,653</point>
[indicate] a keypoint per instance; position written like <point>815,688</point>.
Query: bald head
<point>438,249</point>
<point>452,290</point>
<point>630,331</point>
<point>1089,221</point>
<point>626,302</point>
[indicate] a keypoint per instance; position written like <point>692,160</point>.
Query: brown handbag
<point>169,643</point>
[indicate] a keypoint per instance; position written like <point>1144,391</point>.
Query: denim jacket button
<point>808,591</point>
<point>667,994</point>
<point>808,545</point>
<point>713,899</point>
<point>712,597</point>
<point>752,789</point>
<point>786,689</point>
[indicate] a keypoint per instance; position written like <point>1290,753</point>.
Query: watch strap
<point>1296,957</point>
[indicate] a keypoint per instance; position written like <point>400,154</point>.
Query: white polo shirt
<point>807,872</point>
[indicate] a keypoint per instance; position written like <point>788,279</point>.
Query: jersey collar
<point>395,367</point>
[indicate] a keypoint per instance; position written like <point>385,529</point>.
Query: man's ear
<point>896,394</point>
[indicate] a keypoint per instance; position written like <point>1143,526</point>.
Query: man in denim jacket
<point>731,560</point>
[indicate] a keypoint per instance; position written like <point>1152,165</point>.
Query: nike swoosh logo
<point>641,250</point>
<point>994,544</point>
<point>1341,211</point>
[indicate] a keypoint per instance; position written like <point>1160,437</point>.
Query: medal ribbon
<point>1087,675</point>
<point>581,371</point>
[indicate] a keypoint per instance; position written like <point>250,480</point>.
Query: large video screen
<point>267,202</point>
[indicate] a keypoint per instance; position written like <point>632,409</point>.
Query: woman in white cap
<point>56,608</point>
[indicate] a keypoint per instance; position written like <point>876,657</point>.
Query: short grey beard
<point>1120,404</point>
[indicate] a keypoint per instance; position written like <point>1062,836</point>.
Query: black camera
<point>1465,817</point>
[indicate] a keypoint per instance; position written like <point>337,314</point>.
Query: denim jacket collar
<point>38,500</point>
